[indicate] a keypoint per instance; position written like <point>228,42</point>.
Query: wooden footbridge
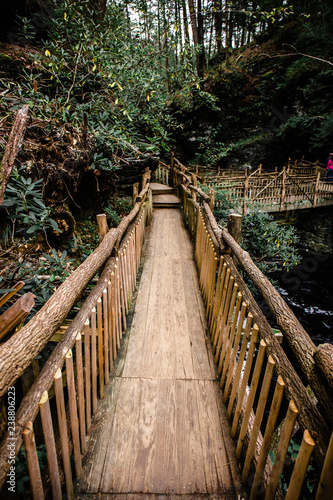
<point>297,186</point>
<point>170,385</point>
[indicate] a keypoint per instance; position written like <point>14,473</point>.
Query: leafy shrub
<point>24,204</point>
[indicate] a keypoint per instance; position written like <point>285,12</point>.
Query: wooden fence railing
<point>78,368</point>
<point>266,399</point>
<point>292,187</point>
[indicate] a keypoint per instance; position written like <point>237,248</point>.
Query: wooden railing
<point>78,368</point>
<point>292,187</point>
<point>265,396</point>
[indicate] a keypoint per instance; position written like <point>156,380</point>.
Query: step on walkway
<point>162,431</point>
<point>164,196</point>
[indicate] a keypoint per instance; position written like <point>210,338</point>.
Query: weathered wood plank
<point>162,436</point>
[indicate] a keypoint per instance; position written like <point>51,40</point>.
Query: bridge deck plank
<point>160,430</point>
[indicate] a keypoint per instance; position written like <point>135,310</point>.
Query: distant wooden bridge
<point>297,186</point>
<point>173,386</point>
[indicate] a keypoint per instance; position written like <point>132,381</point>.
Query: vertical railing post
<point>32,461</point>
<point>45,413</point>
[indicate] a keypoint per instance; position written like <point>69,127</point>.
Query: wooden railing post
<point>283,189</point>
<point>246,190</point>
<point>325,486</point>
<point>316,190</point>
<point>102,226</point>
<point>135,192</point>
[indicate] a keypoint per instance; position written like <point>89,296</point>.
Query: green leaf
<point>33,228</point>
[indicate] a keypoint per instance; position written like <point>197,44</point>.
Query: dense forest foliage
<point>114,86</point>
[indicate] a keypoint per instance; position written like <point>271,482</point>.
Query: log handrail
<point>124,271</point>
<point>45,322</point>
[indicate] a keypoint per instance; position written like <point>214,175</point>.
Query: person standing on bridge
<point>329,168</point>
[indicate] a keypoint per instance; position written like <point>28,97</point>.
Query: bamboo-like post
<point>269,432</point>
<point>252,391</point>
<point>80,390</point>
<point>222,319</point>
<point>242,390</point>
<point>100,348</point>
<point>45,413</point>
<point>226,330</point>
<point>217,288</point>
<point>110,326</point>
<point>214,280</point>
<point>73,412</point>
<point>221,302</point>
<point>106,337</point>
<point>87,373</point>
<point>241,357</point>
<point>122,292</point>
<point>113,316</point>
<point>118,307</point>
<point>32,461</point>
<point>282,450</point>
<point>218,296</point>
<point>93,359</point>
<point>135,192</point>
<point>195,183</point>
<point>283,189</point>
<point>258,418</point>
<point>301,465</point>
<point>232,339</point>
<point>61,412</point>
<point>212,195</point>
<point>102,226</point>
<point>316,190</point>
<point>246,190</point>
<point>325,486</point>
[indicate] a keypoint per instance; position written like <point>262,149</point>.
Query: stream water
<point>308,290</point>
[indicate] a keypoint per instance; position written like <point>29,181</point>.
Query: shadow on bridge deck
<point>161,430</point>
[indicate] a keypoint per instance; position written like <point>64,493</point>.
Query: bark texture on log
<point>18,352</point>
<point>298,339</point>
<point>12,148</point>
<point>30,404</point>
<point>323,357</point>
<point>309,417</point>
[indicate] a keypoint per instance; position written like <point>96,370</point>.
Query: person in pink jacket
<point>329,169</point>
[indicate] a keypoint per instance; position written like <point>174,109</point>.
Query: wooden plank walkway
<point>161,430</point>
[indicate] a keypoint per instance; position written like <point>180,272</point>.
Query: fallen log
<point>16,313</point>
<point>12,148</point>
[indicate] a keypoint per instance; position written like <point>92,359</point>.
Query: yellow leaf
<point>94,67</point>
<point>124,112</point>
<point>47,53</point>
<point>69,107</point>
<point>113,84</point>
<point>148,97</point>
<point>65,16</point>
<point>119,86</point>
<point>116,101</point>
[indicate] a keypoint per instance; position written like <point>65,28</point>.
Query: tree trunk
<point>218,25</point>
<point>186,33</point>
<point>12,148</point>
